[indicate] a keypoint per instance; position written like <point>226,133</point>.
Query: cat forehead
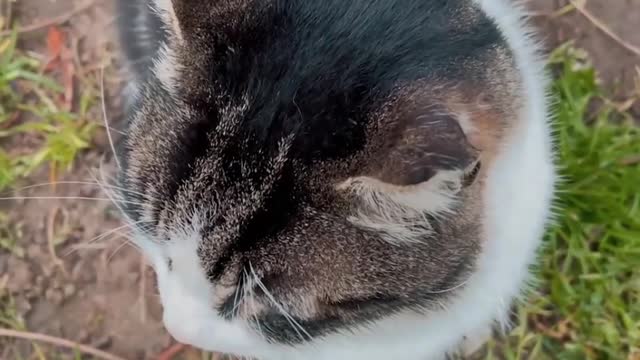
<point>318,75</point>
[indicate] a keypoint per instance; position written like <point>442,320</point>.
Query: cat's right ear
<point>185,18</point>
<point>166,10</point>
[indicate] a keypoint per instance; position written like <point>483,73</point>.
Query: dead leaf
<point>51,235</point>
<point>55,42</point>
<point>561,330</point>
<point>61,59</point>
<point>171,352</point>
<point>624,106</point>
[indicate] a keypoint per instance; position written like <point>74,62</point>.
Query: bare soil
<point>101,294</point>
<point>618,67</point>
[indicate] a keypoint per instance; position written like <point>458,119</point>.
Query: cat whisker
<point>112,196</point>
<point>110,128</point>
<point>236,298</point>
<point>126,191</point>
<point>88,198</point>
<point>294,324</point>
<point>139,60</point>
<point>125,242</point>
<point>88,183</point>
<point>141,227</point>
<point>254,313</point>
<point>89,245</point>
<point>103,236</point>
<point>92,246</point>
<point>84,246</point>
<point>245,291</point>
<point>106,120</point>
<point>450,289</point>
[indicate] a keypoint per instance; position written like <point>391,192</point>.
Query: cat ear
<point>429,144</point>
<point>420,173</point>
<point>166,10</point>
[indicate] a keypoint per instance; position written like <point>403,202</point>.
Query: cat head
<point>290,182</point>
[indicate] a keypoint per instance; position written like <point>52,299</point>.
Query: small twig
<point>637,82</point>
<point>552,15</point>
<point>564,11</point>
<point>106,119</point>
<point>51,223</point>
<point>75,53</point>
<point>53,21</point>
<point>580,6</point>
<point>57,342</point>
<point>171,352</point>
<point>79,247</point>
<point>117,250</point>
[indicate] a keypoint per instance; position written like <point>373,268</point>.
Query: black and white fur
<point>365,179</point>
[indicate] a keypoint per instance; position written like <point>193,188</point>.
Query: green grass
<point>10,234</point>
<point>588,304</point>
<point>26,93</point>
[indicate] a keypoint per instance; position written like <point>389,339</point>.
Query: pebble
<point>69,290</point>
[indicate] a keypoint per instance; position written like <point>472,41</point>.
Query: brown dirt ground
<point>99,298</point>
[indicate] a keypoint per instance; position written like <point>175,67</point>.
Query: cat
<point>364,179</point>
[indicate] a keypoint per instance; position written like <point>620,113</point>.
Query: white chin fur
<point>517,205</point>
